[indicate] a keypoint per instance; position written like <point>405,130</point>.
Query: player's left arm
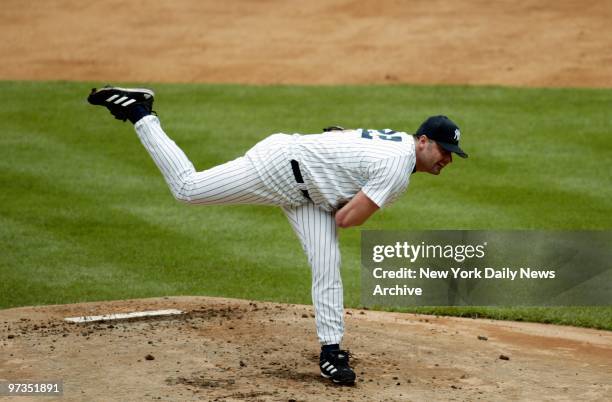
<point>356,211</point>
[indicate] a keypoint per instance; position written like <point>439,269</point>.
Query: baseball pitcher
<point>322,182</point>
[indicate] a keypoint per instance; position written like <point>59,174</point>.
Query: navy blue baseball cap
<point>442,130</point>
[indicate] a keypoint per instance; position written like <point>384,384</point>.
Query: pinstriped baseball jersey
<point>336,165</point>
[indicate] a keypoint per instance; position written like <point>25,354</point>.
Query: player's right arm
<point>356,211</point>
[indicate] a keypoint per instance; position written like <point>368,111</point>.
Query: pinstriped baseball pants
<point>237,182</point>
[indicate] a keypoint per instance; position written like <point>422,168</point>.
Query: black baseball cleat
<point>335,366</point>
<point>122,101</point>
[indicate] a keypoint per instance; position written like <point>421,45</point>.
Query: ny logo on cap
<point>457,134</point>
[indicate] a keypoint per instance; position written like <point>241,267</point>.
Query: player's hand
<point>356,212</point>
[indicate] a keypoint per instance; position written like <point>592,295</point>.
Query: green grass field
<point>85,215</point>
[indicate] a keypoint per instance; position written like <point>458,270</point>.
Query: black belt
<point>295,166</point>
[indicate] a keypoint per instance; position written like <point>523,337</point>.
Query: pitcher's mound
<point>225,349</point>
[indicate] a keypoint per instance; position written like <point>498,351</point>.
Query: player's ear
<point>421,141</point>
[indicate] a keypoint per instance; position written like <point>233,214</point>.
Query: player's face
<point>433,158</point>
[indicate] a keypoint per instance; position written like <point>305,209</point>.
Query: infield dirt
<point>507,42</point>
<point>225,349</point>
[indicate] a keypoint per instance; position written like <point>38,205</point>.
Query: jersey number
<point>382,134</point>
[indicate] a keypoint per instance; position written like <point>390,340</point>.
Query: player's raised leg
<point>235,182</point>
<point>318,234</point>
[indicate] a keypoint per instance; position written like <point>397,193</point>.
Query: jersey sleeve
<point>387,179</point>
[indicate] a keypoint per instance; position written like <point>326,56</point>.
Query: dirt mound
<point>228,349</point>
<point>508,42</point>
